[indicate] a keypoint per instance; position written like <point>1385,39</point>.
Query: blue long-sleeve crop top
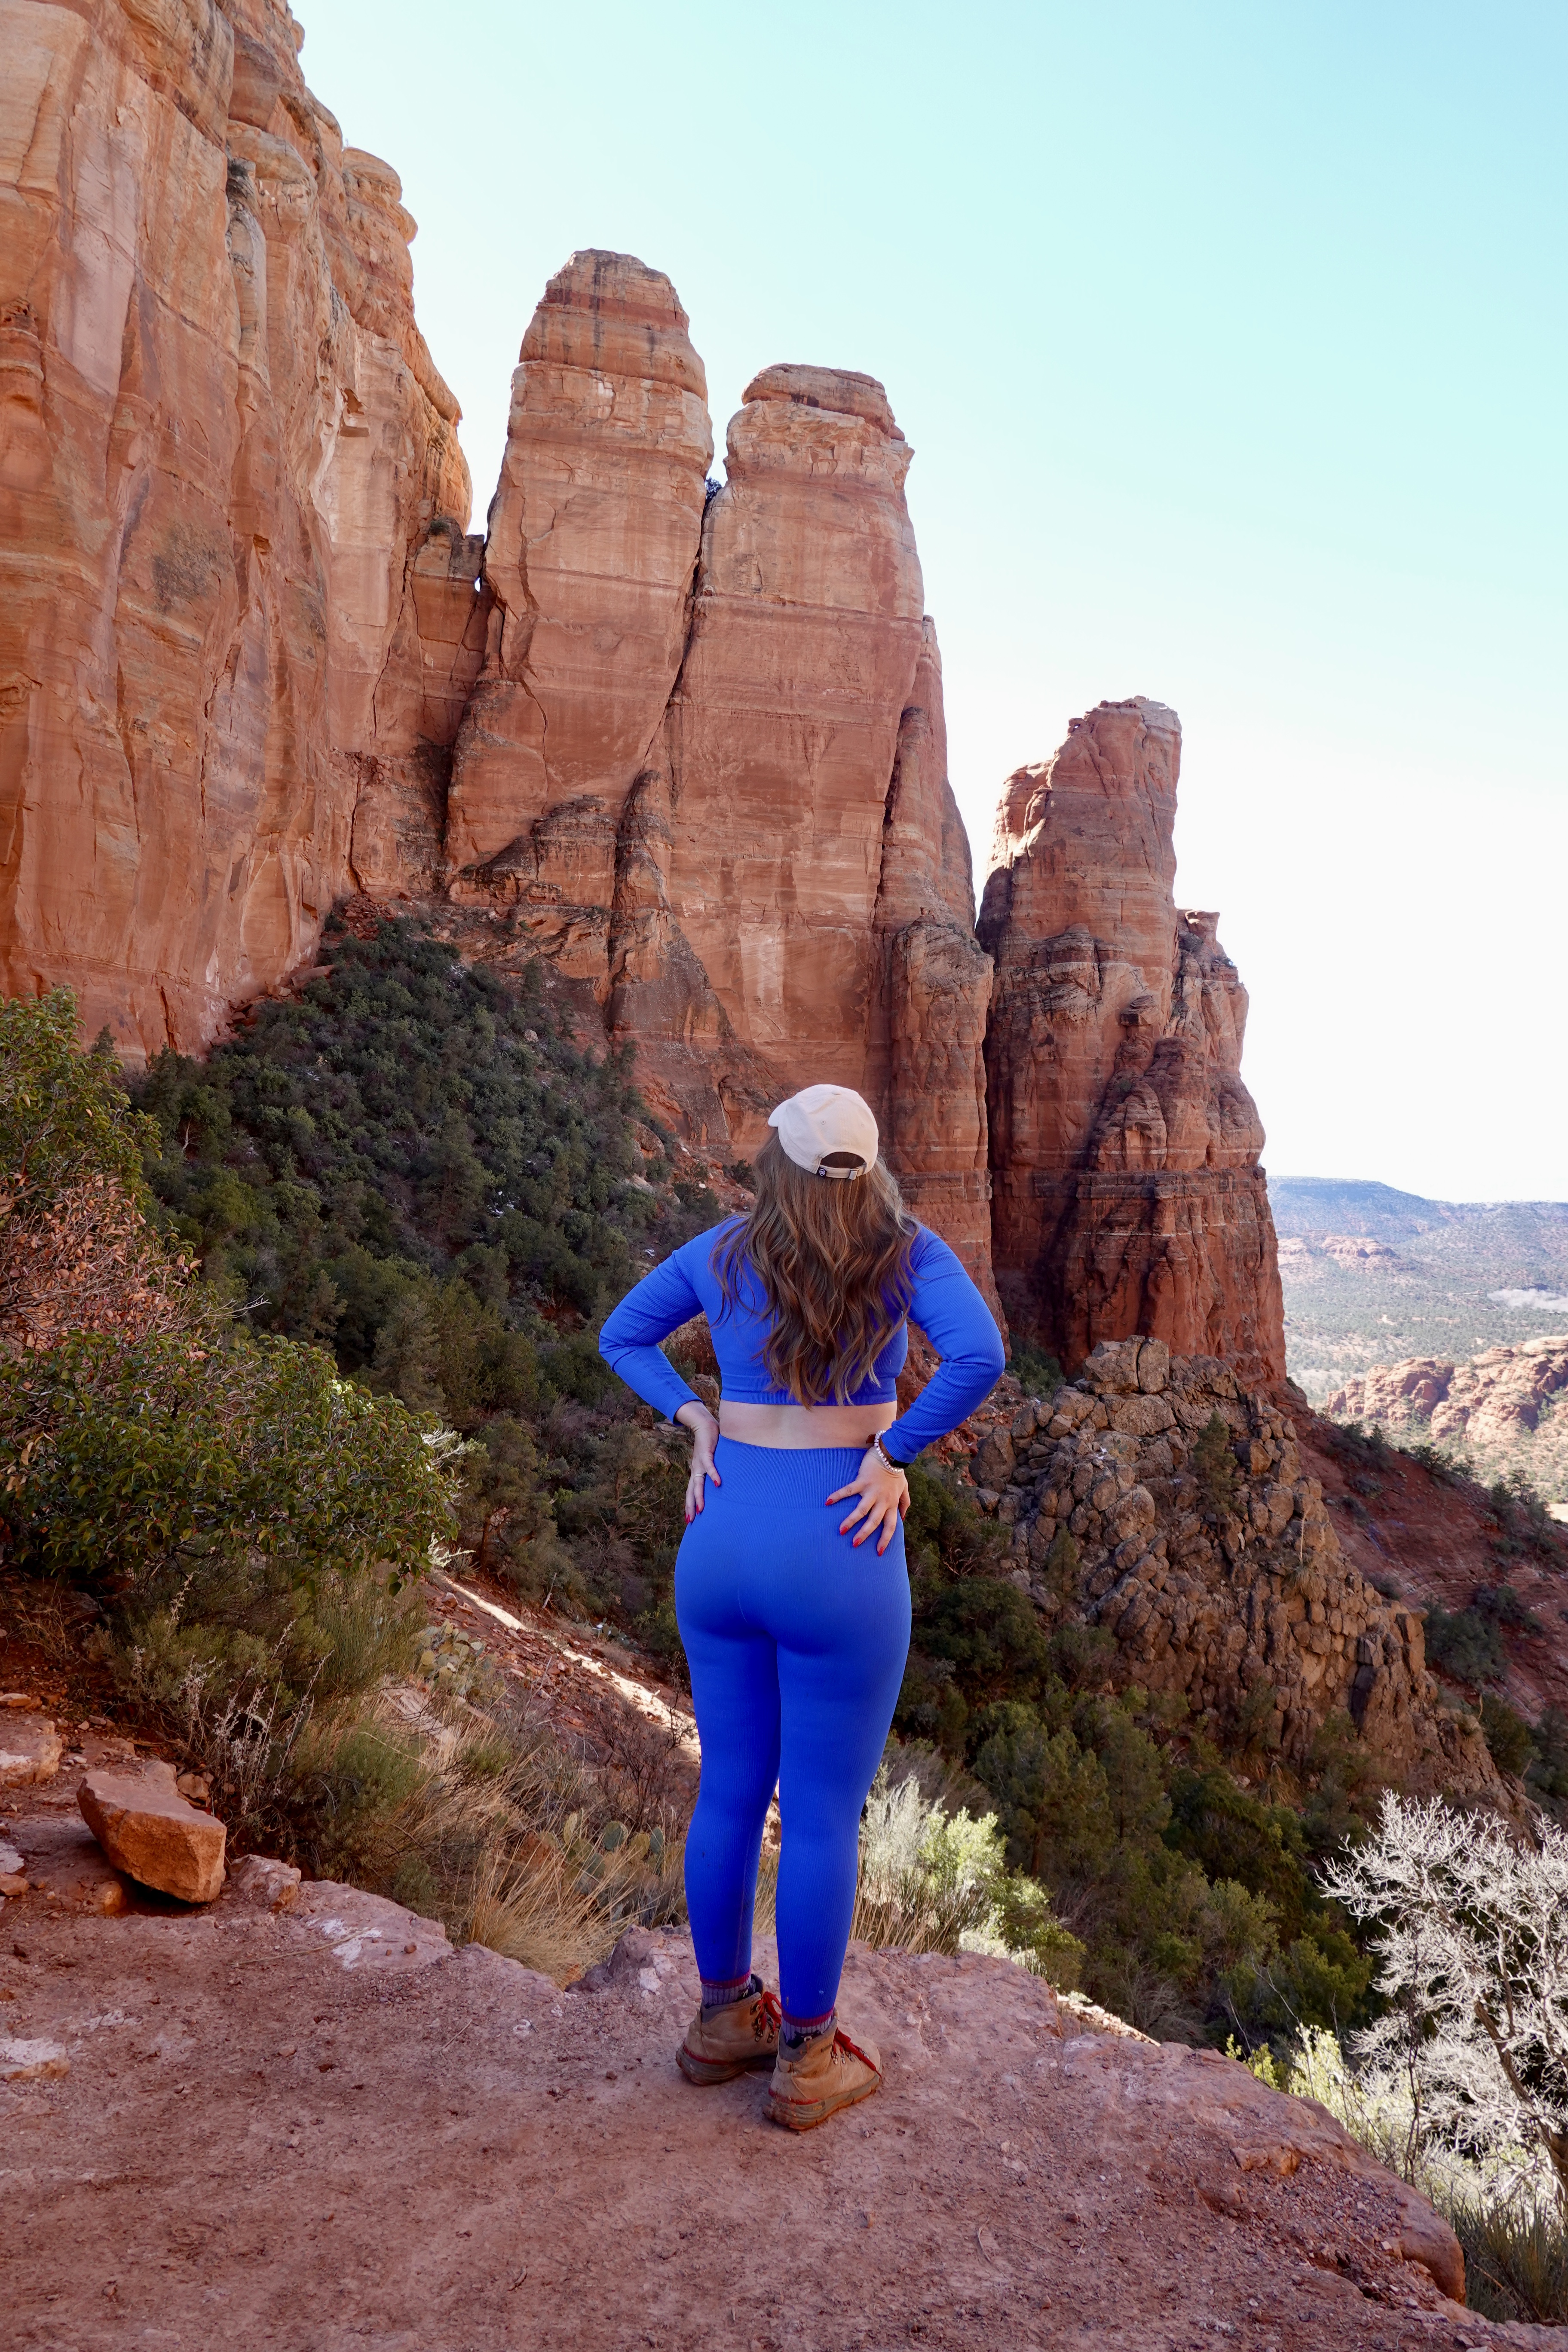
<point>945,1304</point>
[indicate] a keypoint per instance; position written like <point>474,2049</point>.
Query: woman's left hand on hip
<point>882,1497</point>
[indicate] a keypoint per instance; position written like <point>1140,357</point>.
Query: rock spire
<point>1124,1146</point>
<point>683,741</point>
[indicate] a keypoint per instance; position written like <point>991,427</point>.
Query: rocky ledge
<point>1212,1559</point>
<point>441,2150</point>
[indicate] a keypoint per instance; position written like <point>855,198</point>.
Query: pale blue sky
<point>1230,340</point>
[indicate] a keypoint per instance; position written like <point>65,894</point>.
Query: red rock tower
<point>1124,1146</point>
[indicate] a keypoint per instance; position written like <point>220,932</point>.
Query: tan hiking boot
<point>729,2042</point>
<point>829,2071</point>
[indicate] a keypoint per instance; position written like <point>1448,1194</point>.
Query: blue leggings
<point>797,1643</point>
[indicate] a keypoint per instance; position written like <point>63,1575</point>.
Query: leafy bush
<point>1467,1645</point>
<point>931,1880</point>
<point>75,1250</point>
<point>1037,1373</point>
<point>140,1470</point>
<point>1547,1773</point>
<point>1507,1735</point>
<point>408,1123</point>
<point>63,1113</point>
<point>413,1165</point>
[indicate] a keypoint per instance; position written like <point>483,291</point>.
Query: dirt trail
<point>1438,1543</point>
<point>322,2129</point>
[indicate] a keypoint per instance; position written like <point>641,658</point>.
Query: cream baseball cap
<point>826,1130</point>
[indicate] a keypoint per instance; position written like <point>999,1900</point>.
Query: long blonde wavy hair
<point>833,1258</point>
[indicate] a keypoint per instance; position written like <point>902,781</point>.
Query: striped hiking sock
<point>798,2031</point>
<point>725,1994</point>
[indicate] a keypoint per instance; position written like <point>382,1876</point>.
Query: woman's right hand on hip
<point>704,1430</point>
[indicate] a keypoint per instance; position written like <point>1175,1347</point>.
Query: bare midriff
<point>797,1428</point>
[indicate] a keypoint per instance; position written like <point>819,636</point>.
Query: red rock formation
<point>725,814</point>
<point>593,546</point>
<point>925,1068</point>
<point>1502,1408</point>
<point>221,443</point>
<point>1244,1602</point>
<point>782,733</point>
<point>1123,1144</point>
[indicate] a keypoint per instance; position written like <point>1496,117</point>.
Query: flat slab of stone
<point>64,1864</point>
<point>30,1748</point>
<point>366,1931</point>
<point>149,1832</point>
<point>508,2168</point>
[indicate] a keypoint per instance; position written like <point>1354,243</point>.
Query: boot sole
<point>802,2117</point>
<point>708,2071</point>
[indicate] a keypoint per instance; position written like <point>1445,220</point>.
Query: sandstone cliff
<point>685,742</point>
<point>1506,1409</point>
<point>1124,1145</point>
<point>591,547</point>
<point>1222,1579</point>
<point>703,772</point>
<point>223,452</point>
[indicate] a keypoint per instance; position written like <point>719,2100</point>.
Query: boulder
<point>30,1750</point>
<point>258,1883</point>
<point>149,1832</point>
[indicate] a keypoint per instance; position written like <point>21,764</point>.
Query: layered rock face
<point>1222,1579</point>
<point>592,550</point>
<point>1124,1145</point>
<point>704,770</point>
<point>925,1062</point>
<point>686,743</point>
<point>1504,1408</point>
<point>223,450</point>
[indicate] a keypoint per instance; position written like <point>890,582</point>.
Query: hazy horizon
<point>1227,346</point>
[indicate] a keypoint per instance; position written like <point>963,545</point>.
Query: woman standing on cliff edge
<point>796,1625</point>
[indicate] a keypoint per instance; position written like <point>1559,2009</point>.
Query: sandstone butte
<point>684,742</point>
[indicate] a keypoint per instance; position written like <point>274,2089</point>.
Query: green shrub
<point>1516,2260</point>
<point>1507,1735</point>
<point>1213,1465</point>
<point>128,1470</point>
<point>1466,1644</point>
<point>395,1135</point>
<point>63,1113</point>
<point>1037,1373</point>
<point>1547,1773</point>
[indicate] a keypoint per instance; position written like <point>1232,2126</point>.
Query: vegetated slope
<point>410,1163</point>
<point>1488,1566</point>
<point>1374,1276</point>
